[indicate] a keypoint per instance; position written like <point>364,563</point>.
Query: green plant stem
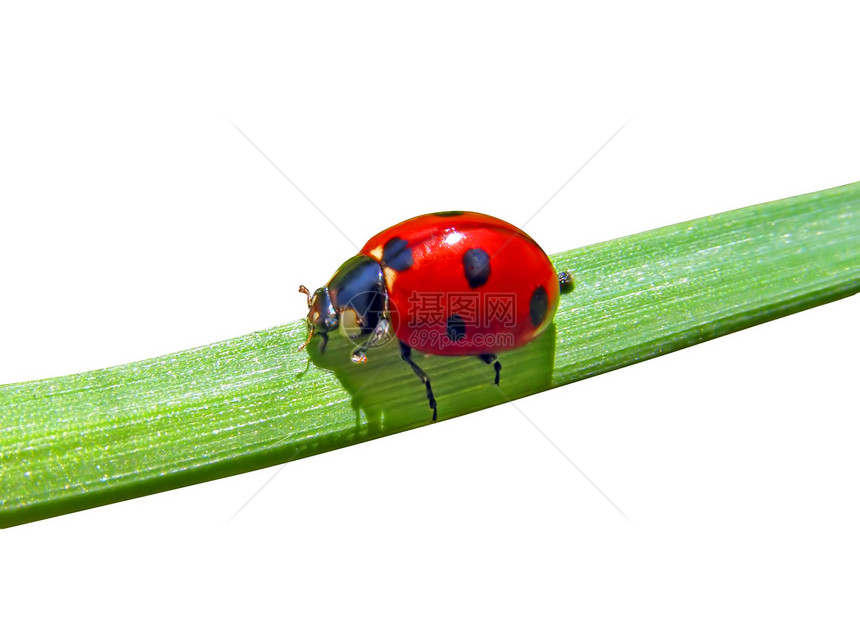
<point>85,440</point>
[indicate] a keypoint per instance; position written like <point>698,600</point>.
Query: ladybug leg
<point>406,355</point>
<point>379,332</point>
<point>308,340</point>
<point>491,358</point>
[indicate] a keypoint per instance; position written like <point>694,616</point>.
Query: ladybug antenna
<point>307,293</point>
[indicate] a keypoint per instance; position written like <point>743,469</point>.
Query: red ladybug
<point>450,283</point>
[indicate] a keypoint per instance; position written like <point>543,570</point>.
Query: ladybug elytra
<point>450,283</point>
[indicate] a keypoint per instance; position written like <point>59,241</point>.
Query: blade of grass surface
<point>85,440</point>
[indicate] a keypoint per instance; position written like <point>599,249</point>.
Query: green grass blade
<point>85,440</point>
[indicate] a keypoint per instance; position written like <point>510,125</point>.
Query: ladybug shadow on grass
<point>387,397</point>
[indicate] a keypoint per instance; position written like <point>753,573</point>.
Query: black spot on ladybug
<point>476,265</point>
<point>538,306</point>
<point>397,254</point>
<point>447,213</point>
<point>456,329</point>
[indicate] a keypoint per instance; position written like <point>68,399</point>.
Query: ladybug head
<point>322,316</point>
<point>356,288</point>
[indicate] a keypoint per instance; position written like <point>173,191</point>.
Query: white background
<point>137,221</point>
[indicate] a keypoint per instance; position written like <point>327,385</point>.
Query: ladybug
<point>449,283</point>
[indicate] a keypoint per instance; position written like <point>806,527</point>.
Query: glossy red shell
<point>462,283</point>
